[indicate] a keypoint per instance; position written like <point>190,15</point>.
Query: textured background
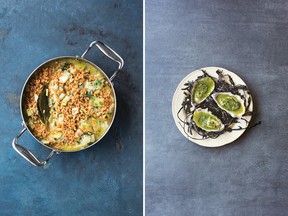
<point>105,179</point>
<point>248,177</point>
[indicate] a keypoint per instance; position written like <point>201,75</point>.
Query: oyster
<point>205,120</point>
<point>232,104</point>
<point>202,88</point>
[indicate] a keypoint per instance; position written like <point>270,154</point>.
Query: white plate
<point>178,98</point>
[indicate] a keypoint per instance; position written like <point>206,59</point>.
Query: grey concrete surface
<point>249,176</point>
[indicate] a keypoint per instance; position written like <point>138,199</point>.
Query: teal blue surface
<point>105,179</point>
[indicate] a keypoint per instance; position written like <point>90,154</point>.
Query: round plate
<point>179,96</point>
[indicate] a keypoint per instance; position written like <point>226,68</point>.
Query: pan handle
<point>29,156</point>
<point>109,53</point>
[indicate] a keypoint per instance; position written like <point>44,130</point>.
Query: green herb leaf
<point>65,66</point>
<point>89,94</point>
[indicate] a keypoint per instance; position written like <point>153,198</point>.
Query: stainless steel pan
<point>28,155</point>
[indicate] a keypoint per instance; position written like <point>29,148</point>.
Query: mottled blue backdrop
<point>105,179</point>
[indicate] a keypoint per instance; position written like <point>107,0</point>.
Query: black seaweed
<point>221,85</point>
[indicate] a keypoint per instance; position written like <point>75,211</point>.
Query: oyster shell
<point>202,88</point>
<point>232,104</point>
<point>205,120</point>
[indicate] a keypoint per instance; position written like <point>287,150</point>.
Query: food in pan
<point>68,104</point>
<point>213,106</point>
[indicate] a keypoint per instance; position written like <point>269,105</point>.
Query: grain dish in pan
<point>68,104</point>
<point>80,104</point>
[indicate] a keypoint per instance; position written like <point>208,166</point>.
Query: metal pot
<point>28,155</point>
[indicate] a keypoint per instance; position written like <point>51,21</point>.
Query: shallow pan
<point>34,116</point>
